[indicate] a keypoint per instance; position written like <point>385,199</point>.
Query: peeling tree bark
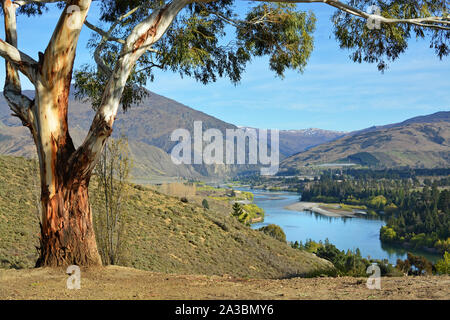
<point>67,233</point>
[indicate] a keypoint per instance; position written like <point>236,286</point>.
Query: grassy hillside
<point>415,145</point>
<point>165,234</point>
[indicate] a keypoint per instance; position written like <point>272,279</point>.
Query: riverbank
<point>320,208</point>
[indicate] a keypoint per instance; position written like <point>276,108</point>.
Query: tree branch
<point>59,55</point>
<point>103,33</point>
<point>25,2</point>
<point>18,103</point>
<point>23,62</point>
<point>106,36</point>
<point>141,38</point>
<point>433,22</point>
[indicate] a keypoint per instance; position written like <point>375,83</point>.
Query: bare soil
<point>126,283</point>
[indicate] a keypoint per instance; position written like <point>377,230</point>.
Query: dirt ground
<point>126,283</point>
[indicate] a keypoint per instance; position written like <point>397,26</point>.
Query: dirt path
<point>126,283</point>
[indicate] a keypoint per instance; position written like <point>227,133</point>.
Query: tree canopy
<point>211,39</point>
<point>208,39</point>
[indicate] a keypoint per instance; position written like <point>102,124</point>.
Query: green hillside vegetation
<point>414,145</point>
<point>415,215</point>
<point>274,231</point>
<point>164,234</point>
<point>349,263</point>
<point>247,213</point>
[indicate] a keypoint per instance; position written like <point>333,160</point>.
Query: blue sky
<point>333,93</point>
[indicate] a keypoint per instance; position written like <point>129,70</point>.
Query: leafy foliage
<point>387,43</point>
<point>443,265</point>
<point>274,231</point>
<point>285,35</point>
<point>415,265</point>
<point>349,263</point>
<point>198,44</point>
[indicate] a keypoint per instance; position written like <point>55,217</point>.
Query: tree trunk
<point>67,233</point>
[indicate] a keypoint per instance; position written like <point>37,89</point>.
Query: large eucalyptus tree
<point>185,36</point>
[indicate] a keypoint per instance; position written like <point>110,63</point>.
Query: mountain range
<point>148,127</point>
<point>420,142</point>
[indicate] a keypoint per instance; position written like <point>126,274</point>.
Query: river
<point>344,233</point>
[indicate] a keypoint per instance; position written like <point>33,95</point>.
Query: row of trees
<point>373,193</point>
<point>422,219</point>
<point>351,263</point>
<point>418,216</point>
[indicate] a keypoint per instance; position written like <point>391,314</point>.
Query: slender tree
<point>186,36</point>
<point>112,173</point>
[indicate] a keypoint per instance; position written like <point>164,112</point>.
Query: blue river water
<point>344,233</point>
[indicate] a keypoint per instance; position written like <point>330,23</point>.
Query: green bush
<point>253,210</point>
<point>387,234</point>
<point>274,231</point>
<point>205,204</point>
<point>443,266</point>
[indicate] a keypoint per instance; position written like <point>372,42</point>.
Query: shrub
<point>205,204</point>
<point>274,231</point>
<point>377,202</point>
<point>443,266</point>
<point>184,200</point>
<point>253,210</point>
<point>387,234</point>
<point>415,265</point>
